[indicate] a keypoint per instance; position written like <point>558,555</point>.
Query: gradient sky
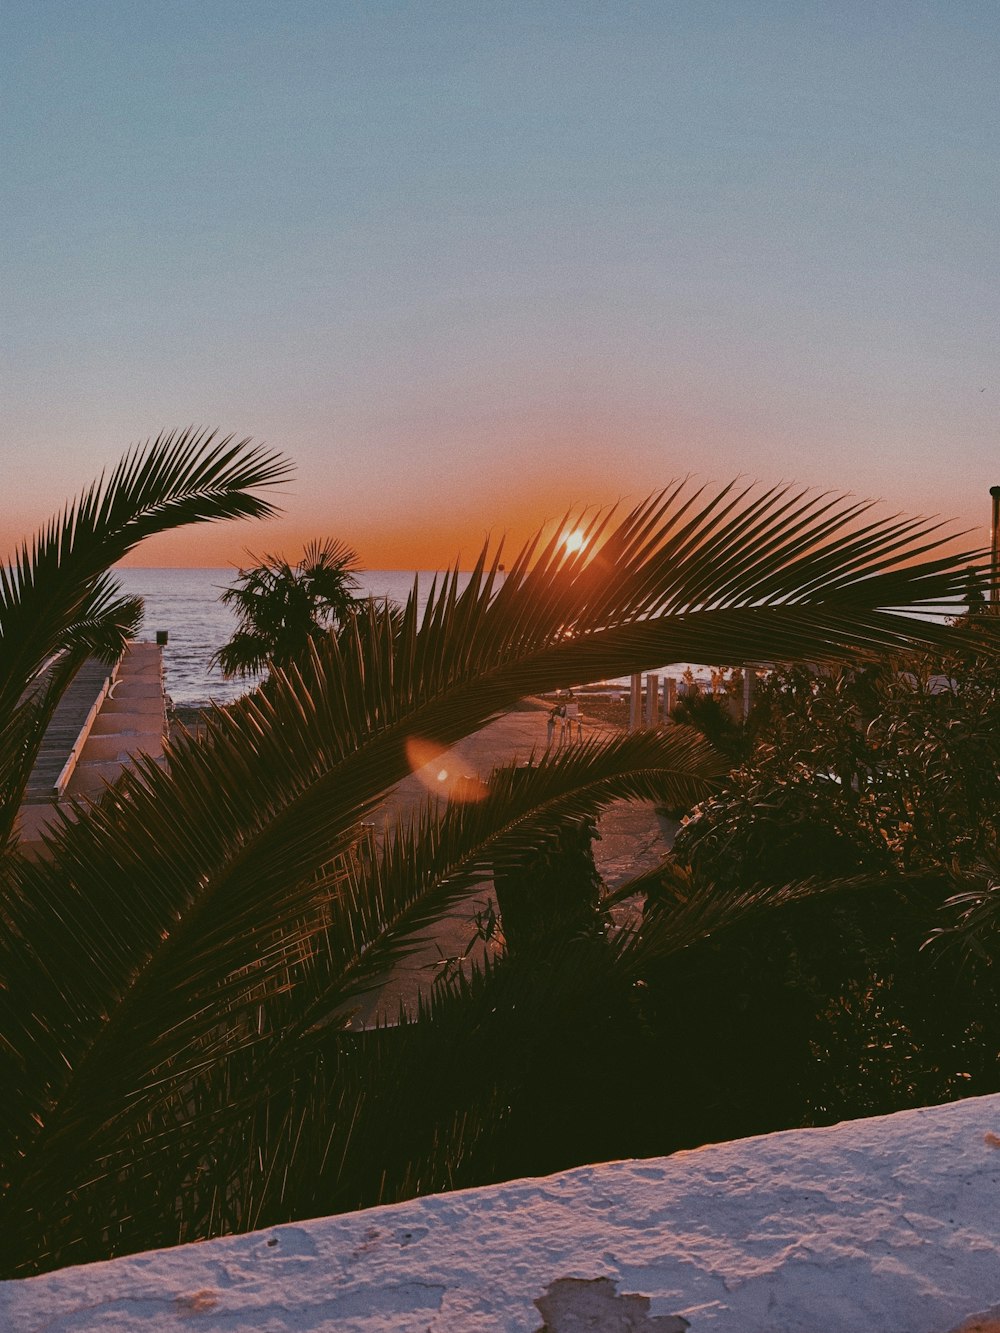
<point>469,264</point>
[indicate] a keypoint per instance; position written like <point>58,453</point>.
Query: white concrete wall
<point>888,1225</point>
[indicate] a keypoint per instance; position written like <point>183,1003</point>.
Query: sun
<point>575,540</point>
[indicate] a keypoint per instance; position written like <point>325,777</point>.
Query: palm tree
<point>282,608</point>
<point>59,604</point>
<point>177,976</point>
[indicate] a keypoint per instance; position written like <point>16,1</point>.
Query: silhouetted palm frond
<point>56,599</point>
<point>196,911</point>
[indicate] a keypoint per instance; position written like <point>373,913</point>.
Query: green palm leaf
<point>181,915</point>
<point>55,597</point>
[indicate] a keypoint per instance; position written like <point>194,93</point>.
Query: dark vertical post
<point>995,560</point>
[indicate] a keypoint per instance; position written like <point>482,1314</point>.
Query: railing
<point>62,781</point>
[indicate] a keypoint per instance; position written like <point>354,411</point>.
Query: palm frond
<point>182,477</point>
<point>103,624</point>
<point>436,859</point>
<point>57,604</point>
<point>351,1121</point>
<point>363,927</point>
<point>175,912</point>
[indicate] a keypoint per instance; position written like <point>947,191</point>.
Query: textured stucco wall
<point>890,1225</point>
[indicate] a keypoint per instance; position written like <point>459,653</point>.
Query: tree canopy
<point>179,970</point>
<point>283,608</point>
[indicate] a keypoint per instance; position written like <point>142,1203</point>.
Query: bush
<point>833,1009</point>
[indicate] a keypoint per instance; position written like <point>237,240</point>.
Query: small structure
<point>107,716</point>
<point>634,701</point>
<point>669,696</point>
<point>652,700</point>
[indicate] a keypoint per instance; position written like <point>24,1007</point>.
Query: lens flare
<point>441,771</point>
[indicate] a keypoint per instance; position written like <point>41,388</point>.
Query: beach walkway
<point>633,838</point>
<point>64,729</point>
<point>106,717</point>
<point>132,720</point>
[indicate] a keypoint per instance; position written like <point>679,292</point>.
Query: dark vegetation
<point>882,993</point>
<point>179,971</point>
<point>713,717</point>
<point>282,608</point>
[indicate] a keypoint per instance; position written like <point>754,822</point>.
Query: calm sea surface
<point>185,602</point>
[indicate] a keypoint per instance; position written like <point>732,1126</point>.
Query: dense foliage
<point>179,970</point>
<point>885,994</point>
<point>896,765</point>
<point>283,608</point>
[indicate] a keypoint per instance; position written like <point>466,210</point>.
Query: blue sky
<point>468,264</point>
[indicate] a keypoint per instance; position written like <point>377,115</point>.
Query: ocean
<point>185,603</point>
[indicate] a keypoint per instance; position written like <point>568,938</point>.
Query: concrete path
<point>633,838</point>
<point>68,720</point>
<point>130,720</point>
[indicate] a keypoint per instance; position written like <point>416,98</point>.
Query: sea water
<point>186,603</point>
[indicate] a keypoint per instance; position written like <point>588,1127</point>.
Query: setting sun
<point>575,540</point>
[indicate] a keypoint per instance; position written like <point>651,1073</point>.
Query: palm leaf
<point>183,477</point>
<point>206,879</point>
<point>103,623</point>
<point>435,860</point>
<point>55,597</point>
<point>365,928</point>
<point>346,1124</point>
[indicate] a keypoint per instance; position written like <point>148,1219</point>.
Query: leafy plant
<point>713,718</point>
<point>59,604</point>
<point>889,780</point>
<point>825,1010</point>
<point>177,975</point>
<point>283,608</point>
<point>895,766</point>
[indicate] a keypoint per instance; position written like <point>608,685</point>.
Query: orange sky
<point>471,265</point>
<point>432,528</point>
<point>435,538</point>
